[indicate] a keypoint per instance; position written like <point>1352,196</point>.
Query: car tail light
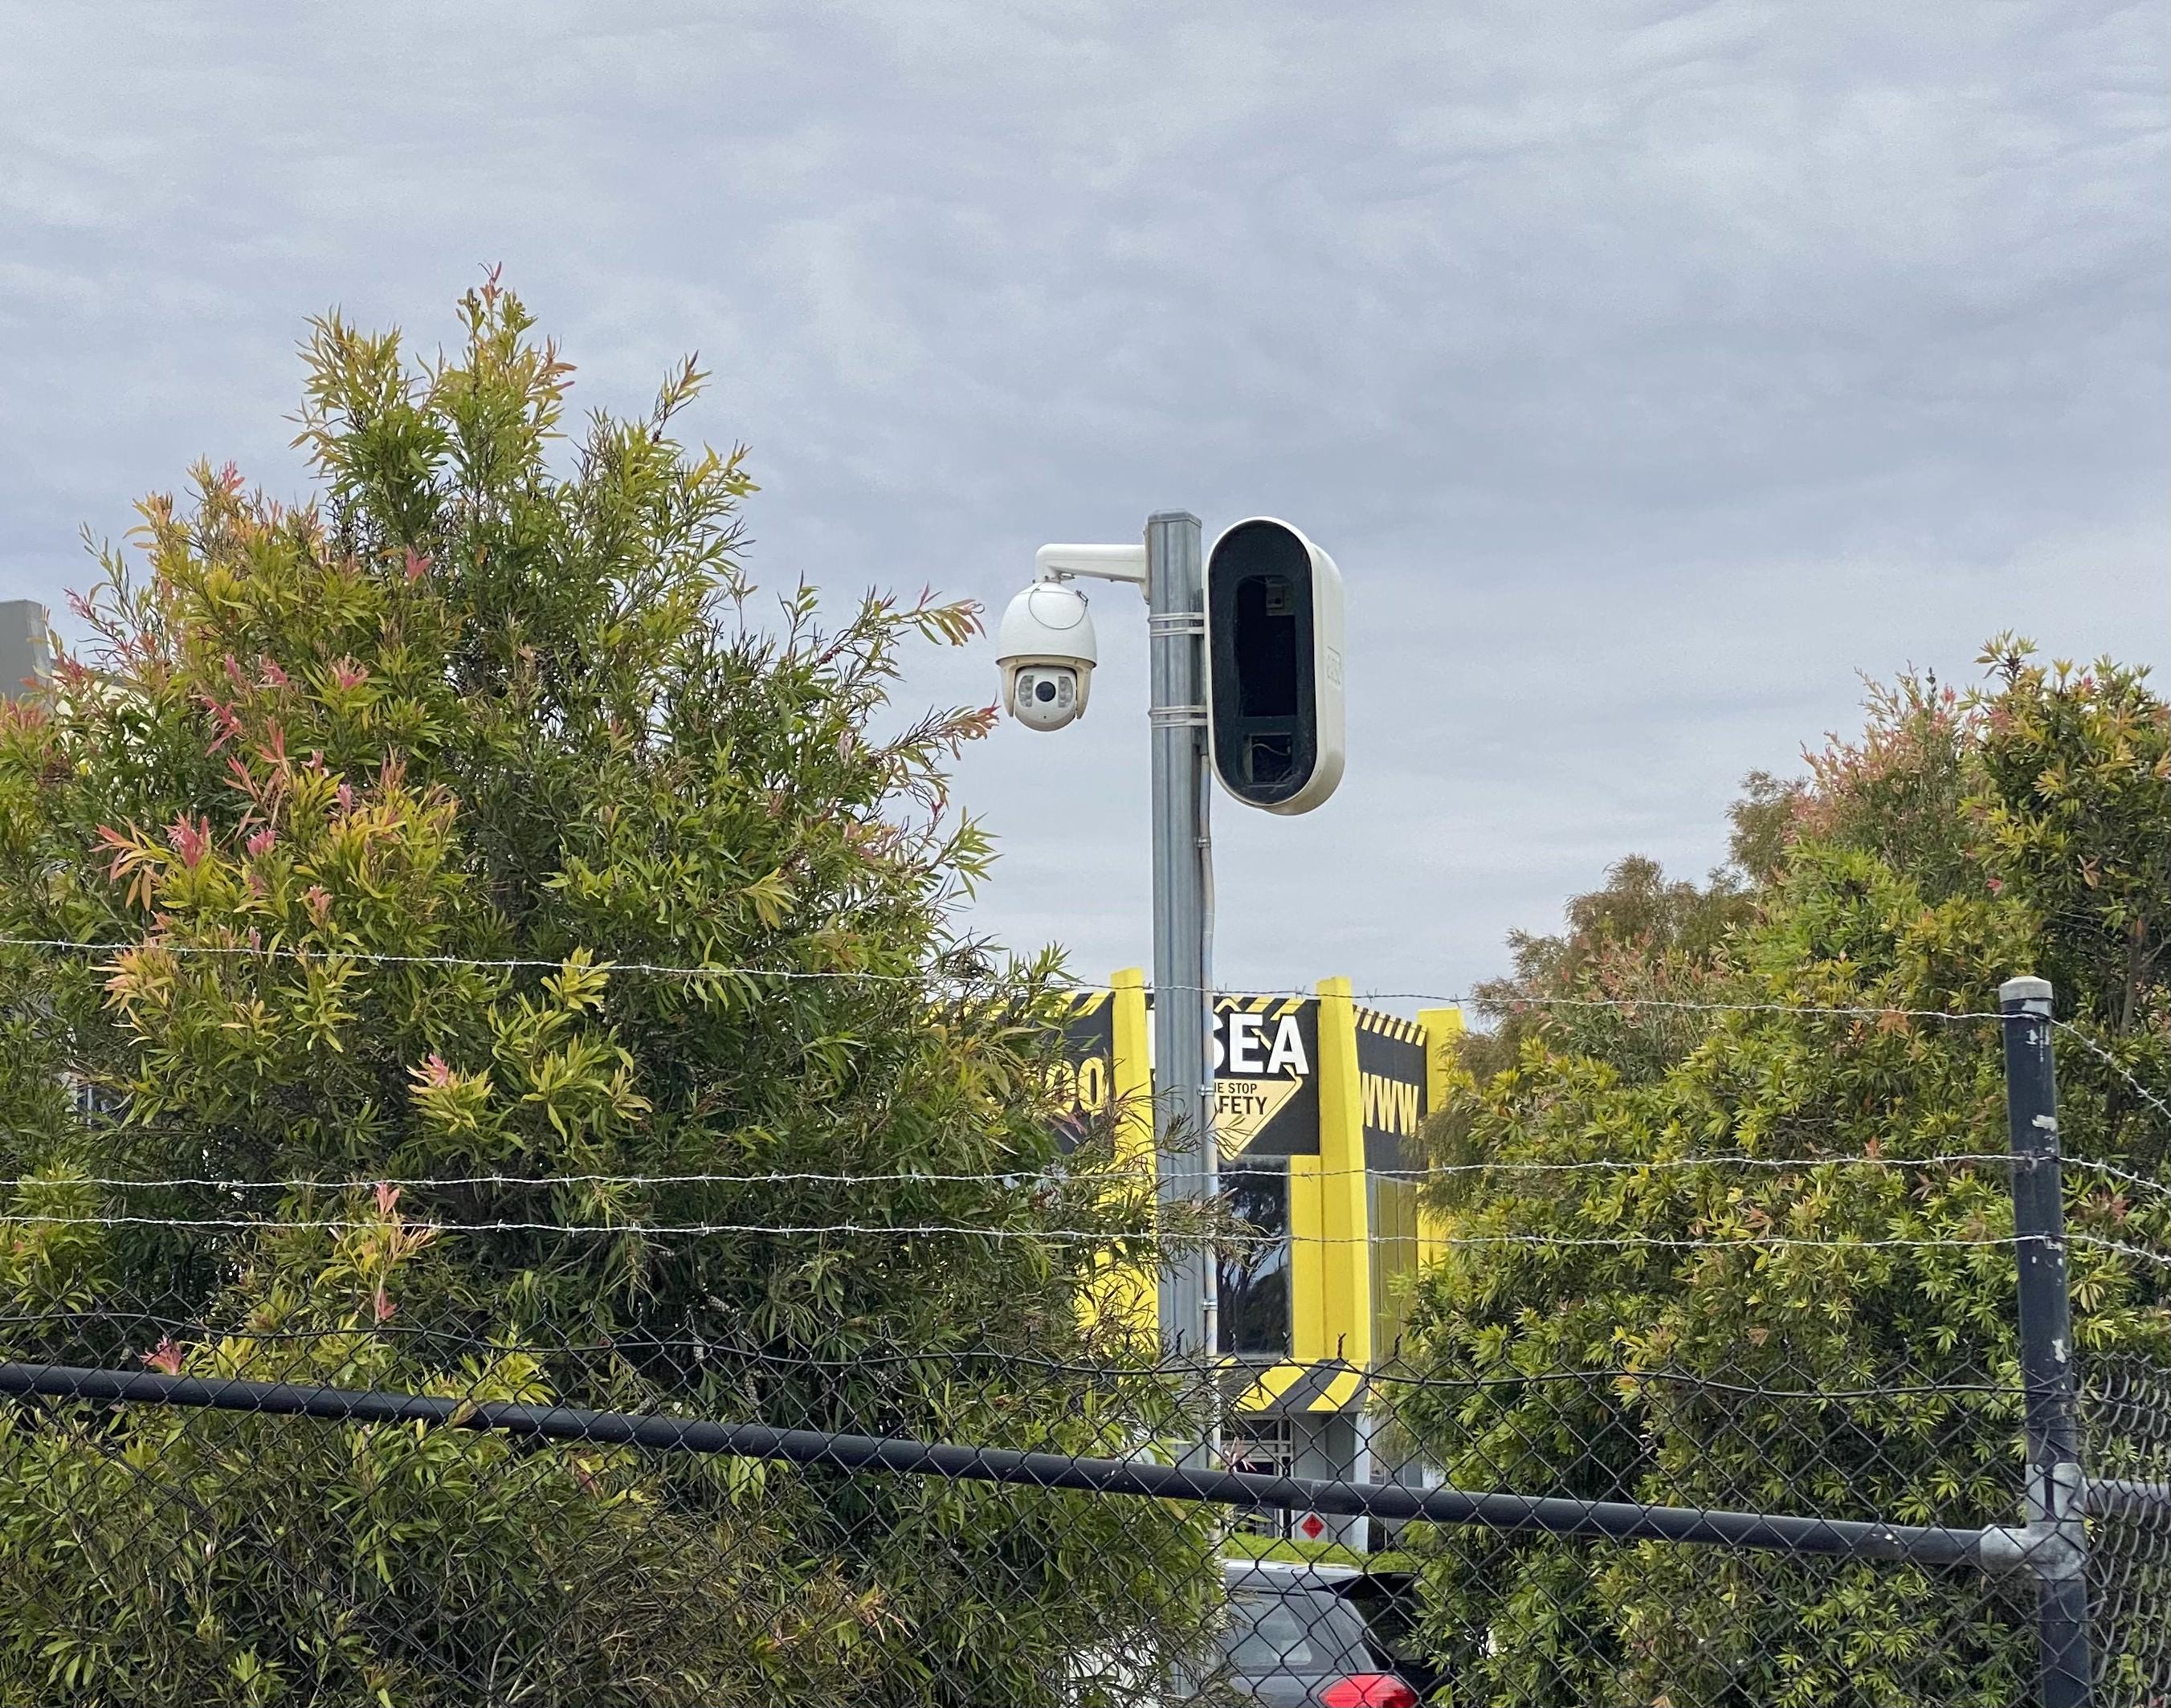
<point>1368,1691</point>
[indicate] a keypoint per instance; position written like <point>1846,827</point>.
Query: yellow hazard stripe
<point>1272,1384</point>
<point>1390,1026</point>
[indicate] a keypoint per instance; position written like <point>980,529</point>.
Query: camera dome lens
<point>1044,689</point>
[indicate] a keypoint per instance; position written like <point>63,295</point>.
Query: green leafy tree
<point>398,810</point>
<point>1961,840</point>
<point>1642,935</point>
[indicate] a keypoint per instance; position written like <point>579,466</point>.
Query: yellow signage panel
<point>1243,1109</point>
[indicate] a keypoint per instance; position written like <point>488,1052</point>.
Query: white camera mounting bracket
<point>1063,563</point>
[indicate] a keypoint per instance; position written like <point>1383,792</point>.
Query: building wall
<point>24,650</point>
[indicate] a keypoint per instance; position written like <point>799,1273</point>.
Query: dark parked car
<point>1320,1636</point>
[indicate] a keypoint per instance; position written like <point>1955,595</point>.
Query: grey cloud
<point>1648,369</point>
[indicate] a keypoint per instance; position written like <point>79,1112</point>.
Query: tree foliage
<point>1961,840</point>
<point>394,804</point>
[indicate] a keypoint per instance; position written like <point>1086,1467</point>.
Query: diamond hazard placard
<point>1243,1107</point>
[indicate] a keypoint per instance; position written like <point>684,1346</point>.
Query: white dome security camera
<point>1047,650</point>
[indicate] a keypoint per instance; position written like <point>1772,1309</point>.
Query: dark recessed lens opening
<point>1269,758</point>
<point>1044,690</point>
<point>1266,642</point>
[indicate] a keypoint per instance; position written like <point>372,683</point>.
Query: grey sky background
<point>1649,369</point>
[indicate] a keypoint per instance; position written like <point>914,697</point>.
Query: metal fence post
<point>2058,1552</point>
<point>1182,943</point>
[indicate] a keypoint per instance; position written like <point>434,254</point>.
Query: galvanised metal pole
<point>2057,1531</point>
<point>1182,924</point>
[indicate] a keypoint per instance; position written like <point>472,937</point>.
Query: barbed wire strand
<point>1104,1237</point>
<point>1396,1369</point>
<point>511,963</point>
<point>1394,1373</point>
<point>2116,1066</point>
<point>1141,1172</point>
<point>2126,1175</point>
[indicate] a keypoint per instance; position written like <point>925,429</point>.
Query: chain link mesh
<point>2125,1409</point>
<point>190,1553</point>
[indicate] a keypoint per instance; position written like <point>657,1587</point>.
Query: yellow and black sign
<point>1265,1097</point>
<point>1390,1087</point>
<point>1085,1076</point>
<point>1391,1102</point>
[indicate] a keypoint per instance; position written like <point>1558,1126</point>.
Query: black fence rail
<point>1992,1548</point>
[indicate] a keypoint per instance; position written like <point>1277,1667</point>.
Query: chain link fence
<point>714,1440</point>
<point>192,1510</point>
<point>2126,1412</point>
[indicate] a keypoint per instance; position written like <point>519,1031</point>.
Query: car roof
<point>1285,1574</point>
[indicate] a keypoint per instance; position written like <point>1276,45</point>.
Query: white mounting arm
<point>1061,563</point>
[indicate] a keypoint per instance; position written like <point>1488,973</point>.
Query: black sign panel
<point>1390,1095</point>
<point>1391,1087</point>
<point>1266,1084</point>
<point>1087,1081</point>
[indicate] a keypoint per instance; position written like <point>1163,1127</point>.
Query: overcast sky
<point>1649,369</point>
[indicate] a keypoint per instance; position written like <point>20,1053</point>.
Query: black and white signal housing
<point>1273,667</point>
